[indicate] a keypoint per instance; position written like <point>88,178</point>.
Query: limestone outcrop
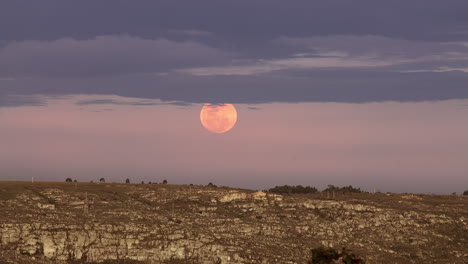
<point>156,223</point>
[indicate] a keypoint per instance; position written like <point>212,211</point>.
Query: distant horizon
<point>233,187</point>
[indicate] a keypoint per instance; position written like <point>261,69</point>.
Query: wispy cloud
<point>129,102</point>
<point>104,56</point>
<point>344,52</point>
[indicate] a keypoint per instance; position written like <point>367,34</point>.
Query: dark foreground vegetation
<point>309,189</point>
<point>320,255</point>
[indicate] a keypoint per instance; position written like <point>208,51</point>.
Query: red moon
<point>218,118</point>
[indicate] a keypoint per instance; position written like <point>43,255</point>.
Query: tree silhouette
<point>127,180</point>
<point>165,182</point>
<point>293,189</point>
<point>102,180</point>
<point>68,180</point>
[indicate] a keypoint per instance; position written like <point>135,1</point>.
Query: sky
<point>368,93</point>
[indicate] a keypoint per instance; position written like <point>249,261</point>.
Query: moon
<point>218,118</point>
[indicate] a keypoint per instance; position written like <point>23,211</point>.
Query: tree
<point>465,192</point>
<point>68,180</point>
<point>211,185</point>
<point>127,180</point>
<point>293,189</point>
<point>149,182</point>
<point>75,180</point>
<point>165,182</point>
<point>142,182</point>
<point>102,180</point>
<point>342,190</point>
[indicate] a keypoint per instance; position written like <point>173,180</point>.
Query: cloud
<point>350,52</point>
<point>318,61</point>
<point>246,52</point>
<point>103,55</point>
<point>192,33</point>
<point>318,85</point>
<point>254,108</point>
<point>237,21</point>
<point>8,100</point>
<point>129,102</point>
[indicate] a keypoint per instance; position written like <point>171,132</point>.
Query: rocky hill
<point>62,222</point>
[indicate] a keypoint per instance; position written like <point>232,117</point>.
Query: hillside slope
<point>155,223</point>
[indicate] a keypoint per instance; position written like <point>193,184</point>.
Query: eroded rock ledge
<point>155,223</point>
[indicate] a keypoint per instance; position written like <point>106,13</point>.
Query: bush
<point>68,180</point>
<point>293,189</point>
<point>107,261</point>
<point>323,255</point>
<point>343,190</point>
<point>127,180</point>
<point>465,192</point>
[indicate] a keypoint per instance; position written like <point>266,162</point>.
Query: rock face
<point>56,222</point>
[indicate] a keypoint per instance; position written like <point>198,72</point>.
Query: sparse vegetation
<point>179,206</point>
<point>127,180</point>
<point>164,182</point>
<point>343,190</point>
<point>68,180</point>
<point>299,189</point>
<point>465,192</point>
<point>293,189</point>
<point>102,180</point>
<point>109,261</point>
<point>322,255</point>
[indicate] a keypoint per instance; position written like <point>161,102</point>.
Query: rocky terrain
<point>62,222</point>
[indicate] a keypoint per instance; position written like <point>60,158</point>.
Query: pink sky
<point>398,147</point>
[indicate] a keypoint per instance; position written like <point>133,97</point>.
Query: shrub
<point>164,182</point>
<point>68,180</point>
<point>127,180</point>
<point>343,190</point>
<point>465,192</point>
<point>293,189</point>
<point>107,261</point>
<point>323,255</point>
